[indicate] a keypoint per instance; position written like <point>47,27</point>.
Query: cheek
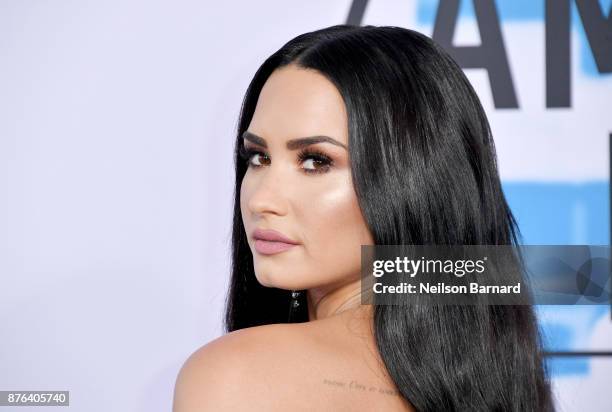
<point>243,194</point>
<point>334,227</point>
<point>332,211</point>
<point>244,197</point>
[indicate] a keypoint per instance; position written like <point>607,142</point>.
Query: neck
<point>330,300</point>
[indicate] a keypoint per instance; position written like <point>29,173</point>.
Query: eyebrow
<point>293,144</point>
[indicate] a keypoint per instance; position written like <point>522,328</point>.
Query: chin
<point>269,280</point>
<point>264,281</point>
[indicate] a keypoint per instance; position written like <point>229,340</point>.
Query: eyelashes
<point>320,161</point>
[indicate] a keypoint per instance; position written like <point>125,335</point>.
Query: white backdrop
<point>117,122</point>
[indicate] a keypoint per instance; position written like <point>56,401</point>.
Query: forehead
<point>297,102</point>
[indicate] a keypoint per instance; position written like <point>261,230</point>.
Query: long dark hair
<point>424,169</point>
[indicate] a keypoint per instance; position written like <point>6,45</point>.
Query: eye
<point>315,161</point>
<point>248,154</point>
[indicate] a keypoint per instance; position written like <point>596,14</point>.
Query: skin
<point>333,362</point>
<point>318,210</point>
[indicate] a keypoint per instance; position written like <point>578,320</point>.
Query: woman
<point>354,136</point>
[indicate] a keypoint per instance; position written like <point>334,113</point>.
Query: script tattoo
<point>356,386</point>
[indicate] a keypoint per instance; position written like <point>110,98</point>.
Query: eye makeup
<point>323,161</point>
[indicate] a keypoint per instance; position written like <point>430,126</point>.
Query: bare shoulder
<point>237,371</point>
<point>304,366</point>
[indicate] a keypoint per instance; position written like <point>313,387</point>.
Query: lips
<point>268,241</point>
<point>272,236</point>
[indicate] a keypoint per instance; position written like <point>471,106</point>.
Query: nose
<point>269,192</point>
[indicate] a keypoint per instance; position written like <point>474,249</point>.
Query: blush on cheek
<point>336,225</point>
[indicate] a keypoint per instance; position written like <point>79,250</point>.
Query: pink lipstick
<point>269,242</point>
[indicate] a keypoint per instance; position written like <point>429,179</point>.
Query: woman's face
<point>309,198</point>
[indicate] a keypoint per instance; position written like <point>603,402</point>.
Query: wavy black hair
<point>424,169</point>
